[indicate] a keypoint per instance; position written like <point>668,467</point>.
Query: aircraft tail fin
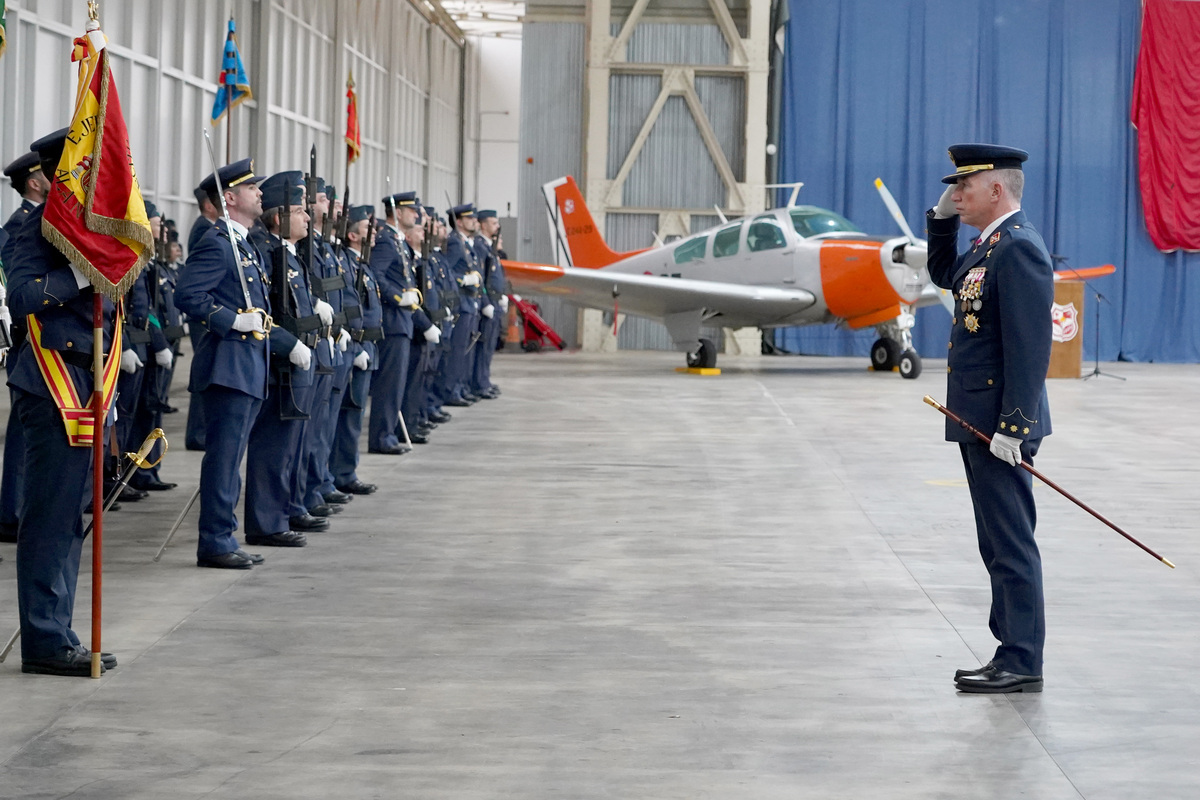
<point>577,241</point>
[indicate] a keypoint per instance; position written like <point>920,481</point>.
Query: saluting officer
<point>366,331</point>
<point>999,354</point>
<point>465,267</point>
<point>57,484</point>
<point>222,289</point>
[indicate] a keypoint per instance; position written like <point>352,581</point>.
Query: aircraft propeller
<point>893,208</point>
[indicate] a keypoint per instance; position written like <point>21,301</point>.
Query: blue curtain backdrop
<point>880,88</point>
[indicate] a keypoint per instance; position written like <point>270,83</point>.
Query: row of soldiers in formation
<point>301,314</point>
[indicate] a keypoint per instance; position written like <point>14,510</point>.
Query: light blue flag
<point>234,85</point>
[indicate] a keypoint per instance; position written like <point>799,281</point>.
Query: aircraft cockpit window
<point>810,221</point>
<point>691,250</point>
<point>765,234</point>
<point>725,242</point>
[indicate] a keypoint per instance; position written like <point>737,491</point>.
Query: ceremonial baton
<point>1029,468</point>
<point>136,460</point>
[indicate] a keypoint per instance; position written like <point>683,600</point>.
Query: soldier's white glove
<point>409,298</point>
<point>5,317</point>
<point>1006,448</point>
<point>489,311</point>
<point>301,356</point>
<point>80,279</point>
<point>945,206</point>
<point>362,360</point>
<point>344,340</point>
<point>249,322</point>
<point>503,303</point>
<point>164,357</point>
<point>432,335</point>
<point>130,362</point>
<point>186,329</point>
<point>324,311</point>
<point>471,279</point>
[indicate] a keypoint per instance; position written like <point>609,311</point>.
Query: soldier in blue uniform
<point>487,248</point>
<point>392,268</point>
<point>194,433</point>
<point>275,512</point>
<point>57,475</point>
<point>426,335</point>
<point>999,353</point>
<point>366,330</point>
<point>229,367</point>
<point>465,267</point>
<point>25,174</point>
<point>446,289</point>
<point>208,217</point>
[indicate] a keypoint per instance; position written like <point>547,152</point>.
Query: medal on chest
<point>971,292</point>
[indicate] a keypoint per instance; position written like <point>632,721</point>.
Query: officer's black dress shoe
<point>457,403</point>
<point>998,681</point>
<point>394,450</point>
<point>338,498</point>
<point>284,539</point>
<point>156,486</point>
<point>489,394</point>
<point>233,560</point>
<point>307,522</point>
<point>324,510</point>
<point>358,487</point>
<point>67,662</point>
<point>441,416</point>
<point>959,673</point>
<point>107,659</point>
<point>255,558</point>
<point>8,532</point>
<point>132,495</point>
<point>425,429</point>
<point>170,410</point>
<point>418,438</point>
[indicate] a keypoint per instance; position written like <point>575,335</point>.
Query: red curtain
<point>1166,112</point>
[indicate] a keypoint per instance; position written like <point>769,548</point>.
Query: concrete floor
<point>621,582</point>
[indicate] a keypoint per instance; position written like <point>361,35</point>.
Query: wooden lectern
<point>1066,353</point>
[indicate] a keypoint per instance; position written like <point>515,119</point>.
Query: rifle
<point>289,409</point>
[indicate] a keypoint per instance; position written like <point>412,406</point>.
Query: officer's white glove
<point>301,356</point>
<point>1006,448</point>
<point>324,311</point>
<point>186,329</point>
<point>471,279</point>
<point>432,335</point>
<point>249,322</point>
<point>164,357</point>
<point>344,340</point>
<point>503,303</point>
<point>130,362</point>
<point>80,279</point>
<point>489,311</point>
<point>362,360</point>
<point>945,206</point>
<point>409,298</point>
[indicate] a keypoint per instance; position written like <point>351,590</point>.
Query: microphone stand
<point>1096,371</point>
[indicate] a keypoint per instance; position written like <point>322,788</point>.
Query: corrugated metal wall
<point>167,56</point>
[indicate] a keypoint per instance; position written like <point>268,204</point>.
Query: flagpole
<point>230,77</point>
<point>97,476</point>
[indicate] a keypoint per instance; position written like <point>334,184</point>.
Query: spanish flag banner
<point>94,213</point>
<point>353,134</point>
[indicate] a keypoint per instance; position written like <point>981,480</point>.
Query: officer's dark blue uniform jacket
<point>209,292</point>
<point>461,255</point>
<point>395,277</point>
<point>199,228</point>
<point>301,300</point>
<point>40,281</point>
<point>19,216</point>
<point>421,321</point>
<point>372,308</point>
<point>999,353</point>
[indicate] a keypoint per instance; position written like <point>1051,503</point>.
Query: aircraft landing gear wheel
<point>910,364</point>
<point>705,356</point>
<point>885,354</point>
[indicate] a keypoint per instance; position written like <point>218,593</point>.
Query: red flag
<point>1166,112</point>
<point>94,213</point>
<point>353,135</point>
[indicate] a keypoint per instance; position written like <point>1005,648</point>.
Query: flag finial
<point>94,10</point>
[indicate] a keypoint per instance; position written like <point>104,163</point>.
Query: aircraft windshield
<point>691,250</point>
<point>812,221</point>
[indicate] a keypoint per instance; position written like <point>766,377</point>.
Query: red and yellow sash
<point>77,417</point>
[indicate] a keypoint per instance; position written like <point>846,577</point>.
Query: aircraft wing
<point>659,297</point>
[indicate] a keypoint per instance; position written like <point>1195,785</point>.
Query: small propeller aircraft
<point>797,265</point>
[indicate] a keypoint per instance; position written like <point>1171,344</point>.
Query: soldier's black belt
<point>174,333</point>
<point>81,360</point>
<point>352,312</point>
<point>339,319</point>
<point>325,285</point>
<point>137,336</point>
<point>365,335</point>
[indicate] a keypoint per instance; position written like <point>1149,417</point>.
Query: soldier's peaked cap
<point>486,213</point>
<point>971,158</point>
<point>20,169</point>
<point>283,188</point>
<point>359,213</point>
<point>465,210</point>
<point>152,210</point>
<point>235,174</point>
<point>400,199</point>
<point>49,149</point>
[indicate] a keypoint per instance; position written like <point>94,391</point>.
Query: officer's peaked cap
<point>971,158</point>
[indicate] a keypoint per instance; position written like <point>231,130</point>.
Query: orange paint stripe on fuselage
<point>856,287</point>
<point>525,274</point>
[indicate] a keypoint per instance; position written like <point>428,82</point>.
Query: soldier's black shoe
<point>358,487</point>
<point>998,681</point>
<point>8,532</point>
<point>68,662</point>
<point>284,539</point>
<point>226,561</point>
<point>307,523</point>
<point>107,659</point>
<point>255,558</point>
<point>338,498</point>
<point>457,403</point>
<point>394,450</point>
<point>418,438</point>
<point>324,510</point>
<point>132,495</point>
<point>962,673</point>
<point>156,486</point>
<point>441,416</point>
